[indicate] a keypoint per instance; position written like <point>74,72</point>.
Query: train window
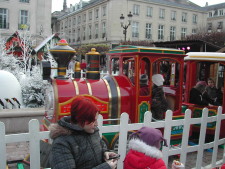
<point>129,68</point>
<point>115,66</point>
<point>170,71</point>
<point>144,72</point>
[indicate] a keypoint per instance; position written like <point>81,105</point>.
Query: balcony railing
<point>24,27</point>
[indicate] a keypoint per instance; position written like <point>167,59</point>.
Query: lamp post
<point>124,26</point>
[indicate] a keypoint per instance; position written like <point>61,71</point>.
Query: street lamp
<point>124,26</point>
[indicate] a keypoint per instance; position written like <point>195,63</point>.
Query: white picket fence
<point>34,136</point>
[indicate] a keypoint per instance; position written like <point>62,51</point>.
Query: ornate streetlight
<point>124,26</point>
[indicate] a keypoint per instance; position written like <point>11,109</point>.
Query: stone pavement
<point>18,151</point>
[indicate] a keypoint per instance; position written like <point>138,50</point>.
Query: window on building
<point>69,22</point>
<point>184,17</point>
<point>183,33</point>
<point>4,18</point>
<point>84,18</point>
<point>23,23</point>
<point>173,15</point>
<point>84,33</point>
<point>215,12</point>
<point>27,1</point>
<point>79,19</point>
<point>96,13</point>
<point>194,31</point>
<point>220,25</point>
<point>96,31</point>
<point>135,32</point>
<point>89,32</point>
<point>136,9</point>
<point>221,13</point>
<point>66,24</point>
<point>78,35</point>
<point>74,35</point>
<point>161,32</point>
<point>74,21</point>
<point>195,18</point>
<point>209,27</point>
<point>172,33</point>
<point>149,11</point>
<point>61,25</point>
<point>162,13</point>
<point>148,34</point>
<point>210,14</point>
<point>103,29</point>
<point>90,15</point>
<point>104,11</point>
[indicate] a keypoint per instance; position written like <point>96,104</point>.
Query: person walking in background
<point>83,65</point>
<point>159,103</point>
<point>76,140</point>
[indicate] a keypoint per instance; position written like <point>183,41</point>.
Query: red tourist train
<point>119,91</point>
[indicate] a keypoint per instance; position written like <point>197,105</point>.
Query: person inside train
<point>211,89</point>
<point>199,96</point>
<point>144,87</point>
<point>76,140</point>
<point>219,97</point>
<point>159,102</point>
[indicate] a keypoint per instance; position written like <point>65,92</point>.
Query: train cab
<point>131,62</point>
<point>200,66</point>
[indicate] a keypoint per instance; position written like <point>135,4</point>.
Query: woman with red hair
<point>76,140</point>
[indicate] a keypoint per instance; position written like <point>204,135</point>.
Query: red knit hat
<point>83,110</point>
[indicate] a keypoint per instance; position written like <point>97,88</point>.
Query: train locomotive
<point>119,91</point>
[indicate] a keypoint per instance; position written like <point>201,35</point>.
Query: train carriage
<point>199,66</point>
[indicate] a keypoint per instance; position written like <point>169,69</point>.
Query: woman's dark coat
<point>159,103</point>
<point>73,148</point>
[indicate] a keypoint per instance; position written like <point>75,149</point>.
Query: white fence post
<point>2,146</point>
<point>34,144</point>
<point>167,135</point>
<point>147,118</point>
<point>201,142</point>
<point>124,118</point>
<point>185,136</point>
<point>216,137</point>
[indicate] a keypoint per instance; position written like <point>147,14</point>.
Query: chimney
<point>62,53</point>
<point>64,6</point>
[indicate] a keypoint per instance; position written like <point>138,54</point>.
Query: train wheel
<point>115,142</point>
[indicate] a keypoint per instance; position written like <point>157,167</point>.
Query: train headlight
<point>49,102</point>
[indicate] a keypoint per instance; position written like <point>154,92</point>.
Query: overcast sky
<point>57,5</point>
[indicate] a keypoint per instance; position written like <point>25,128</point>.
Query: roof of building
<point>42,44</point>
<point>213,7</point>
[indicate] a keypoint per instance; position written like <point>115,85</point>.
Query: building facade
<point>98,21</point>
<point>31,15</point>
<point>215,17</point>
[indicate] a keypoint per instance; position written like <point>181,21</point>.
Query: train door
<point>172,71</point>
<point>143,87</point>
